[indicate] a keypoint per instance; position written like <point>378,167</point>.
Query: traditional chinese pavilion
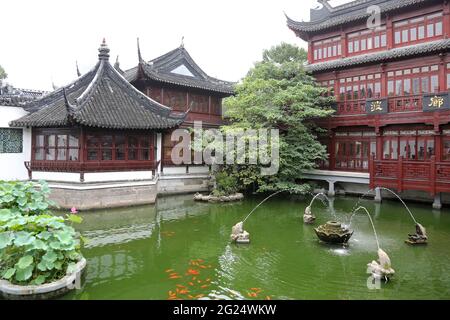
<point>391,82</point>
<point>98,123</point>
<point>175,80</point>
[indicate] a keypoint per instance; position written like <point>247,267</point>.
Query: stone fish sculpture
<point>239,235</point>
<point>308,217</point>
<point>382,268</point>
<point>420,237</point>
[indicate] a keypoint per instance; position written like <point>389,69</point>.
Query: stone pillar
<point>377,209</point>
<point>378,197</point>
<point>437,204</point>
<point>331,192</point>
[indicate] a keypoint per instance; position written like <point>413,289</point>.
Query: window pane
<point>407,86</point>
<point>73,154</point>
<point>383,40</point>
<point>339,49</point>
<point>39,154</point>
<point>363,44</point>
<point>398,87</point>
<point>120,147</point>
<point>132,154</point>
<point>329,52</point>
<point>50,155</point>
<point>413,34</point>
<point>133,142</point>
<point>39,140</point>
<point>369,43</point>
<point>356,45</point>
<point>421,150</point>
<point>397,37</point>
<point>430,30</point>
<point>438,28</point>
<point>92,154</point>
<point>325,53</point>
<point>421,32</point>
<point>377,41</point>
<point>369,90</point>
<point>394,149</point>
<point>107,141</point>
<point>416,86</point>
<point>425,85</point>
<point>51,139</point>
<point>106,154</point>
<point>448,80</point>
<point>315,54</point>
<point>92,141</point>
<point>446,153</point>
<point>434,83</point>
<point>405,35</point>
<point>73,141</point>
<point>62,145</point>
<point>430,149</point>
<point>350,47</point>
<point>390,87</point>
<point>378,89</point>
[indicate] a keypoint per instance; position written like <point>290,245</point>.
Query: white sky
<point>41,40</point>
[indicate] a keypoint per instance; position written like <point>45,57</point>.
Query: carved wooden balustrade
<point>430,176</point>
<point>90,166</point>
<point>395,104</point>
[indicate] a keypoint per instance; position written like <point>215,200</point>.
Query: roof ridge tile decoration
<point>349,12</point>
<point>18,97</point>
<point>101,98</point>
<point>396,53</point>
<point>159,69</point>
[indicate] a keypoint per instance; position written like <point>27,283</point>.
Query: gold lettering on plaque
<point>436,102</point>
<point>376,106</point>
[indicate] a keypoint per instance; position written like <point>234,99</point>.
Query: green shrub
<point>35,246</point>
<point>226,184</point>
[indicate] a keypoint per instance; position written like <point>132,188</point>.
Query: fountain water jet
<point>238,234</point>
<point>309,217</point>
<point>381,268</point>
<point>420,237</point>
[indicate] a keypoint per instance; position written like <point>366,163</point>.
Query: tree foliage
<point>277,93</point>
<point>3,74</point>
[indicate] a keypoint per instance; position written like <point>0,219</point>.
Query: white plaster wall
<point>174,170</point>
<point>12,164</point>
<point>56,176</point>
<point>117,176</point>
<point>203,169</point>
<point>93,177</point>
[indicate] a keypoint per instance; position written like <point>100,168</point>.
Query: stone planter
<point>43,292</point>
<point>213,199</point>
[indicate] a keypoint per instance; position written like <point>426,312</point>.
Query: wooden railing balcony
<point>395,104</point>
<point>405,103</point>
<point>90,166</point>
<point>430,176</point>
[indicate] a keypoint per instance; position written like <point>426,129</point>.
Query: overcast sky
<point>41,40</point>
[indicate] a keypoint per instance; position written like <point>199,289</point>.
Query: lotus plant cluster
<point>36,246</point>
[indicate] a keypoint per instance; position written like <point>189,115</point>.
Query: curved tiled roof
<point>423,48</point>
<point>353,11</point>
<point>101,98</point>
<point>15,97</point>
<point>160,69</point>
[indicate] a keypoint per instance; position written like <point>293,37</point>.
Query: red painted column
<point>446,19</point>
<point>379,139</point>
<point>310,51</point>
<point>383,80</point>
<point>344,48</point>
<point>332,149</point>
<point>389,32</point>
<point>442,73</point>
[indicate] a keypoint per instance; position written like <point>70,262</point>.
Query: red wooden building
<point>391,82</point>
<point>175,80</point>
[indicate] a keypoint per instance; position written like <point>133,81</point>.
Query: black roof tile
<point>101,98</point>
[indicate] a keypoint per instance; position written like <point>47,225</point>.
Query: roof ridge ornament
<point>139,51</point>
<point>103,51</point>
<point>182,42</point>
<point>69,107</point>
<point>78,69</point>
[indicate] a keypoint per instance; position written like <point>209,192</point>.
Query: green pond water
<point>133,253</point>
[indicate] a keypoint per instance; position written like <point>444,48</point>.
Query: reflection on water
<point>150,252</point>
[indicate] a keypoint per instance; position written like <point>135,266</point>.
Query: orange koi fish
<point>169,270</point>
